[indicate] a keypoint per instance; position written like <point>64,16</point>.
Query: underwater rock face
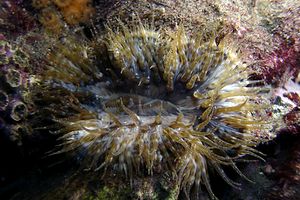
<point>287,173</point>
<point>142,105</point>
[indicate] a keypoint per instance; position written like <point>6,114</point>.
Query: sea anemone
<point>150,100</point>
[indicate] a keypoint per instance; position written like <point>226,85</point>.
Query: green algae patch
<point>109,193</point>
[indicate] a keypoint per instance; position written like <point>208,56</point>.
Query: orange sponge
<point>62,3</point>
<point>41,3</point>
<point>51,20</point>
<point>77,11</point>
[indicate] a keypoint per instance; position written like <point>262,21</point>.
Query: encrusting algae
<point>170,101</point>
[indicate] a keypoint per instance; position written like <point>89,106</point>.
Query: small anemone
<point>18,111</point>
<point>75,53</point>
<point>13,78</point>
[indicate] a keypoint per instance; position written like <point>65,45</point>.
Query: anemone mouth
<point>173,102</point>
<point>147,100</point>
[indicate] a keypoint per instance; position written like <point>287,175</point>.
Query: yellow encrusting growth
<point>55,12</point>
<point>207,113</point>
